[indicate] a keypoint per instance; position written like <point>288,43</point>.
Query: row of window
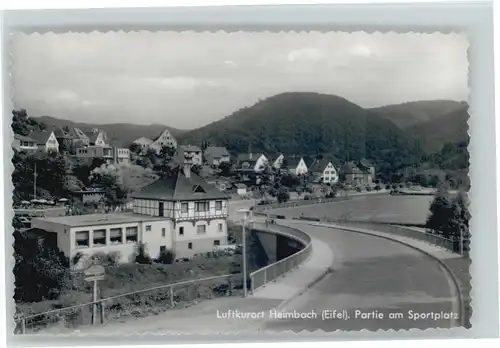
<point>27,143</point>
<point>116,236</point>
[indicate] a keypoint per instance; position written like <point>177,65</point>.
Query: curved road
<point>375,277</point>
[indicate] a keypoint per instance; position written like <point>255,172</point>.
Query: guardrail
<point>298,203</point>
<point>273,271</point>
<point>82,314</point>
<point>452,245</point>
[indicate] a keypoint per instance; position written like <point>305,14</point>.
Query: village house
<point>164,139</point>
<point>352,174</point>
<point>45,141</point>
<point>194,152</point>
<point>179,212</point>
<point>77,137</point>
<point>324,170</point>
<point>143,143</point>
<point>251,162</point>
<point>296,165</point>
<point>241,189</point>
<point>277,161</point>
<point>91,195</point>
<point>111,154</point>
<point>215,155</point>
<point>24,143</point>
<point>97,137</point>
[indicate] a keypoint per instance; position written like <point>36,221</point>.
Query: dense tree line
<point>449,216</point>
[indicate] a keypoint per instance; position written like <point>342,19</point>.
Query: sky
<point>188,79</point>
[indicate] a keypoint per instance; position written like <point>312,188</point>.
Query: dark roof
<point>177,187</point>
<point>366,163</point>
<point>40,137</point>
<point>188,148</point>
<point>215,152</point>
<point>77,133</point>
<point>319,165</point>
<point>292,162</point>
<point>309,161</point>
<point>240,185</point>
<point>59,132</point>
<point>23,138</point>
<point>350,168</point>
<point>248,157</point>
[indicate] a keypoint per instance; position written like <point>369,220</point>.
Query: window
<point>201,207</point>
<point>82,239</point>
<point>216,242</point>
<point>163,232</point>
<point>181,231</point>
<point>148,227</point>
<point>163,249</point>
<point>201,229</point>
<point>184,208</point>
<point>221,228</point>
<point>99,237</point>
<point>131,234</point>
<point>190,245</point>
<point>218,205</point>
<point>116,236</point>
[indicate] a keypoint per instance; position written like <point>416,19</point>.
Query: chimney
<point>188,162</point>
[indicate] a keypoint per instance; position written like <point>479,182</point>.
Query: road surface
<point>372,277</point>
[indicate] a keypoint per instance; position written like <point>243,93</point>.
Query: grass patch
<point>124,278</point>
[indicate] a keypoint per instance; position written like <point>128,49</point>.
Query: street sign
<point>95,272</point>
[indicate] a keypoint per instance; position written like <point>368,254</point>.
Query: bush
<point>358,189</point>
<point>368,188</point>
<point>387,187</point>
<point>167,257</point>
<point>307,198</point>
<point>377,188</point>
<point>142,257</point>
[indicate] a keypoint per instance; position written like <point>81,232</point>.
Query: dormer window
<point>198,189</point>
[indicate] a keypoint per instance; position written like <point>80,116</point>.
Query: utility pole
<point>34,182</point>
<point>243,236</point>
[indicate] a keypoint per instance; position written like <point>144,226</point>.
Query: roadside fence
<point>169,295</point>
<point>275,270</point>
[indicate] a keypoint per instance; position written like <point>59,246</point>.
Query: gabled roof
<point>320,165</point>
<point>350,168</point>
<point>216,152</point>
<point>23,138</point>
<point>309,161</point>
<point>366,163</point>
<point>177,187</point>
<point>292,162</point>
<point>159,135</point>
<point>59,132</point>
<point>188,148</point>
<point>41,137</point>
<point>77,133</point>
<point>143,141</point>
<point>249,157</point>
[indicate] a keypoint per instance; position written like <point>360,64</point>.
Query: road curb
<point>304,289</point>
<point>461,305</point>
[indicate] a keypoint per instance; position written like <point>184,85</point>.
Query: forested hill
<point>311,124</point>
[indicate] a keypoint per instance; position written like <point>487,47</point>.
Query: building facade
<point>296,166</point>
<point>194,152</point>
<point>215,155</point>
<point>324,170</point>
<point>24,143</point>
<point>164,139</point>
<point>46,141</point>
<point>180,213</point>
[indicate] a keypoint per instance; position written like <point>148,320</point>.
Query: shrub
<point>166,257</point>
<point>142,257</point>
<point>387,187</point>
<point>358,188</point>
<point>377,188</point>
<point>368,188</point>
<point>307,198</point>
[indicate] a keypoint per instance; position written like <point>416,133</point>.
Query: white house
<point>278,161</point>
<point>296,165</point>
<point>164,139</point>
<point>215,155</point>
<point>325,170</point>
<point>97,137</point>
<point>24,143</point>
<point>121,155</point>
<point>194,152</point>
<point>252,162</point>
<point>45,140</point>
<point>241,189</point>
<point>143,142</point>
<point>179,212</point>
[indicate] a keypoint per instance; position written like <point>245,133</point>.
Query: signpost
<point>93,274</point>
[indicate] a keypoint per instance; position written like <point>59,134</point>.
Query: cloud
<point>360,50</point>
<point>305,54</point>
